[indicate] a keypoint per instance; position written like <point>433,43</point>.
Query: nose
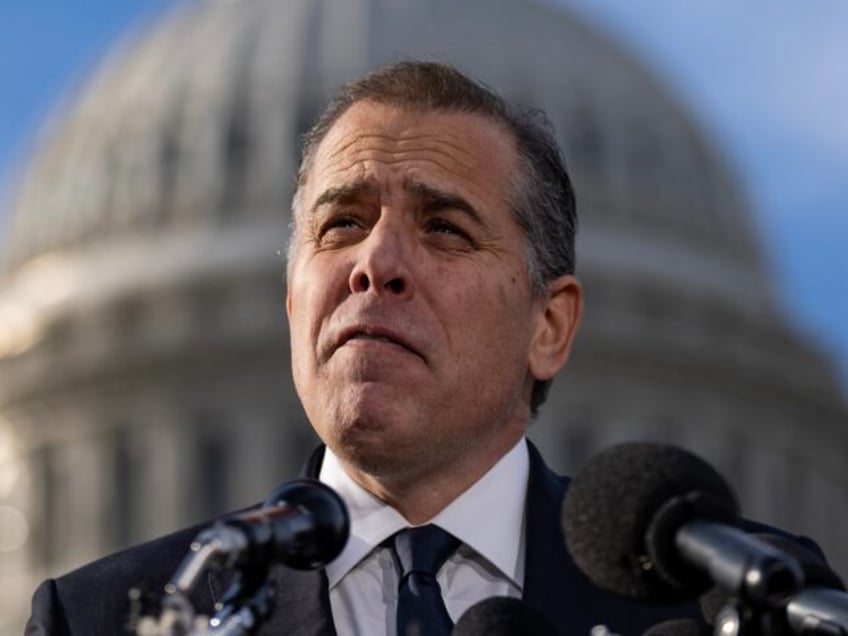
<point>383,264</point>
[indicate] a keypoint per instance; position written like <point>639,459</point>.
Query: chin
<point>375,447</point>
<point>376,460</point>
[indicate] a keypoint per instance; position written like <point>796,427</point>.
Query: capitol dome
<point>177,132</point>
<point>143,346</point>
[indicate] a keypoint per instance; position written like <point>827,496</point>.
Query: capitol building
<point>144,355</point>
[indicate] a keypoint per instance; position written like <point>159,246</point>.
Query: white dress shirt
<point>488,519</point>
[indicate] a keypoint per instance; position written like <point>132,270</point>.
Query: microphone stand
<point>303,525</point>
<point>246,604</point>
<point>739,619</point>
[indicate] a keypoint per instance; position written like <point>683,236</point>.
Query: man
<point>431,299</point>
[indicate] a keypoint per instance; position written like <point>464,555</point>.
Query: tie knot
<point>424,549</point>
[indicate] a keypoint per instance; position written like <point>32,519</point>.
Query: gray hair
<point>541,197</point>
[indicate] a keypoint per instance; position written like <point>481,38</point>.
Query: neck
<point>419,495</point>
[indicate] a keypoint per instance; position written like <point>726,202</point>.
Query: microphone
<point>819,608</point>
<point>818,611</point>
<point>303,525</point>
<point>657,524</point>
<point>503,616</point>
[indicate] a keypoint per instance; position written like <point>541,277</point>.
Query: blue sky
<point>768,78</point>
<point>46,50</point>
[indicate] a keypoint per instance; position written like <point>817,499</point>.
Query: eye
<point>340,222</point>
<point>448,233</point>
<point>340,228</point>
<point>441,226</point>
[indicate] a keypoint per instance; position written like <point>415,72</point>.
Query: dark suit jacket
<point>92,601</point>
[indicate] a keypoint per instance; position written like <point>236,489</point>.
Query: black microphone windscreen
<point>679,627</point>
<point>610,509</point>
<point>503,616</point>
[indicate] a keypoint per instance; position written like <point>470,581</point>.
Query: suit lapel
<point>302,606</point>
<point>552,581</point>
<point>548,575</point>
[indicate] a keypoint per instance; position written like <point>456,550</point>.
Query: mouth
<point>362,334</point>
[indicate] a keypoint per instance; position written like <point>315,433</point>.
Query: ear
<point>559,316</point>
<point>288,300</point>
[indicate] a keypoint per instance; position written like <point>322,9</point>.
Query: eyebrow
<point>435,200</point>
<point>344,194</point>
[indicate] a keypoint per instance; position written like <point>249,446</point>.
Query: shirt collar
<point>488,516</point>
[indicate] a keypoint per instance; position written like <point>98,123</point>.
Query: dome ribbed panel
<point>196,121</point>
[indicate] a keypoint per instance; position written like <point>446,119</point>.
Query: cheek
<point>302,327</point>
<point>309,295</point>
<point>319,290</point>
<point>487,320</point>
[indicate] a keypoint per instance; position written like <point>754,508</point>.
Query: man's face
<point>412,317</point>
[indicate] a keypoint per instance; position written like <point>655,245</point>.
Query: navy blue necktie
<point>420,553</point>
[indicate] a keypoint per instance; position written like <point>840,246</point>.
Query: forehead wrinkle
<point>442,143</point>
<point>359,164</point>
<point>436,141</point>
<point>356,151</point>
<point>346,142</point>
